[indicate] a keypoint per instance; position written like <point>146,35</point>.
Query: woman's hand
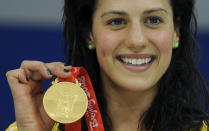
<point>26,86</point>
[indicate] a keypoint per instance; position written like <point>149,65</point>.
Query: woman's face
<point>134,41</point>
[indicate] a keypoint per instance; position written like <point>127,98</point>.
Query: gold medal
<point>65,102</point>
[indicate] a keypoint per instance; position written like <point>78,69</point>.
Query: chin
<point>137,87</point>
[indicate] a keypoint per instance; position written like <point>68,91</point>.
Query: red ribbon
<point>92,115</point>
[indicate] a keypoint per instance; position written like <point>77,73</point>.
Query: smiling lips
<point>136,62</point>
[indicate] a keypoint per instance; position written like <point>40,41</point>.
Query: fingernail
<point>48,72</point>
<point>66,71</point>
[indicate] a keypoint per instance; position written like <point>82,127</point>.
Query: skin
<point>131,31</point>
<point>134,27</point>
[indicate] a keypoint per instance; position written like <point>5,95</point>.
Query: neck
<point>126,107</point>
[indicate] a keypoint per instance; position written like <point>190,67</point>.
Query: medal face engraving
<point>65,102</point>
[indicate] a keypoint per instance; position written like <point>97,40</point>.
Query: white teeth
<point>135,61</point>
<point>139,61</point>
<point>129,61</point>
<point>147,60</point>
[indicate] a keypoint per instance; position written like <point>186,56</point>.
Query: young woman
<point>141,58</point>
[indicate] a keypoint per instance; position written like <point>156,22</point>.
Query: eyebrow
<point>125,14</point>
<point>114,12</point>
<point>155,10</point>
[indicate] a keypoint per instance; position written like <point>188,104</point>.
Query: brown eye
<point>153,20</point>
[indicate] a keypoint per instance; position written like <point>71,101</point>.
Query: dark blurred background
<point>32,30</point>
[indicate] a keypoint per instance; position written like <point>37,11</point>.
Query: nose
<point>136,38</point>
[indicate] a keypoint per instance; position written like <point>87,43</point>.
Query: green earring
<point>90,47</point>
<point>176,45</point>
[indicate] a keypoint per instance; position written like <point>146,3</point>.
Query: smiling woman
<point>143,35</point>
<point>141,64</point>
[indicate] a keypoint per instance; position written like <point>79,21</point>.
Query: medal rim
<point>69,85</point>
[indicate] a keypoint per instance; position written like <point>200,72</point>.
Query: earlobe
<point>90,42</point>
<point>176,38</point>
<point>177,34</point>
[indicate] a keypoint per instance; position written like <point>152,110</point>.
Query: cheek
<point>163,41</point>
<point>106,43</point>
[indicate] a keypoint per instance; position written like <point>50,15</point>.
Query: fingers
<point>16,79</point>
<point>37,70</point>
<point>31,73</point>
<point>58,69</point>
<point>21,76</point>
<point>16,76</point>
<point>13,76</point>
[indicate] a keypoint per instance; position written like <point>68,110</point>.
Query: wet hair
<point>182,99</point>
